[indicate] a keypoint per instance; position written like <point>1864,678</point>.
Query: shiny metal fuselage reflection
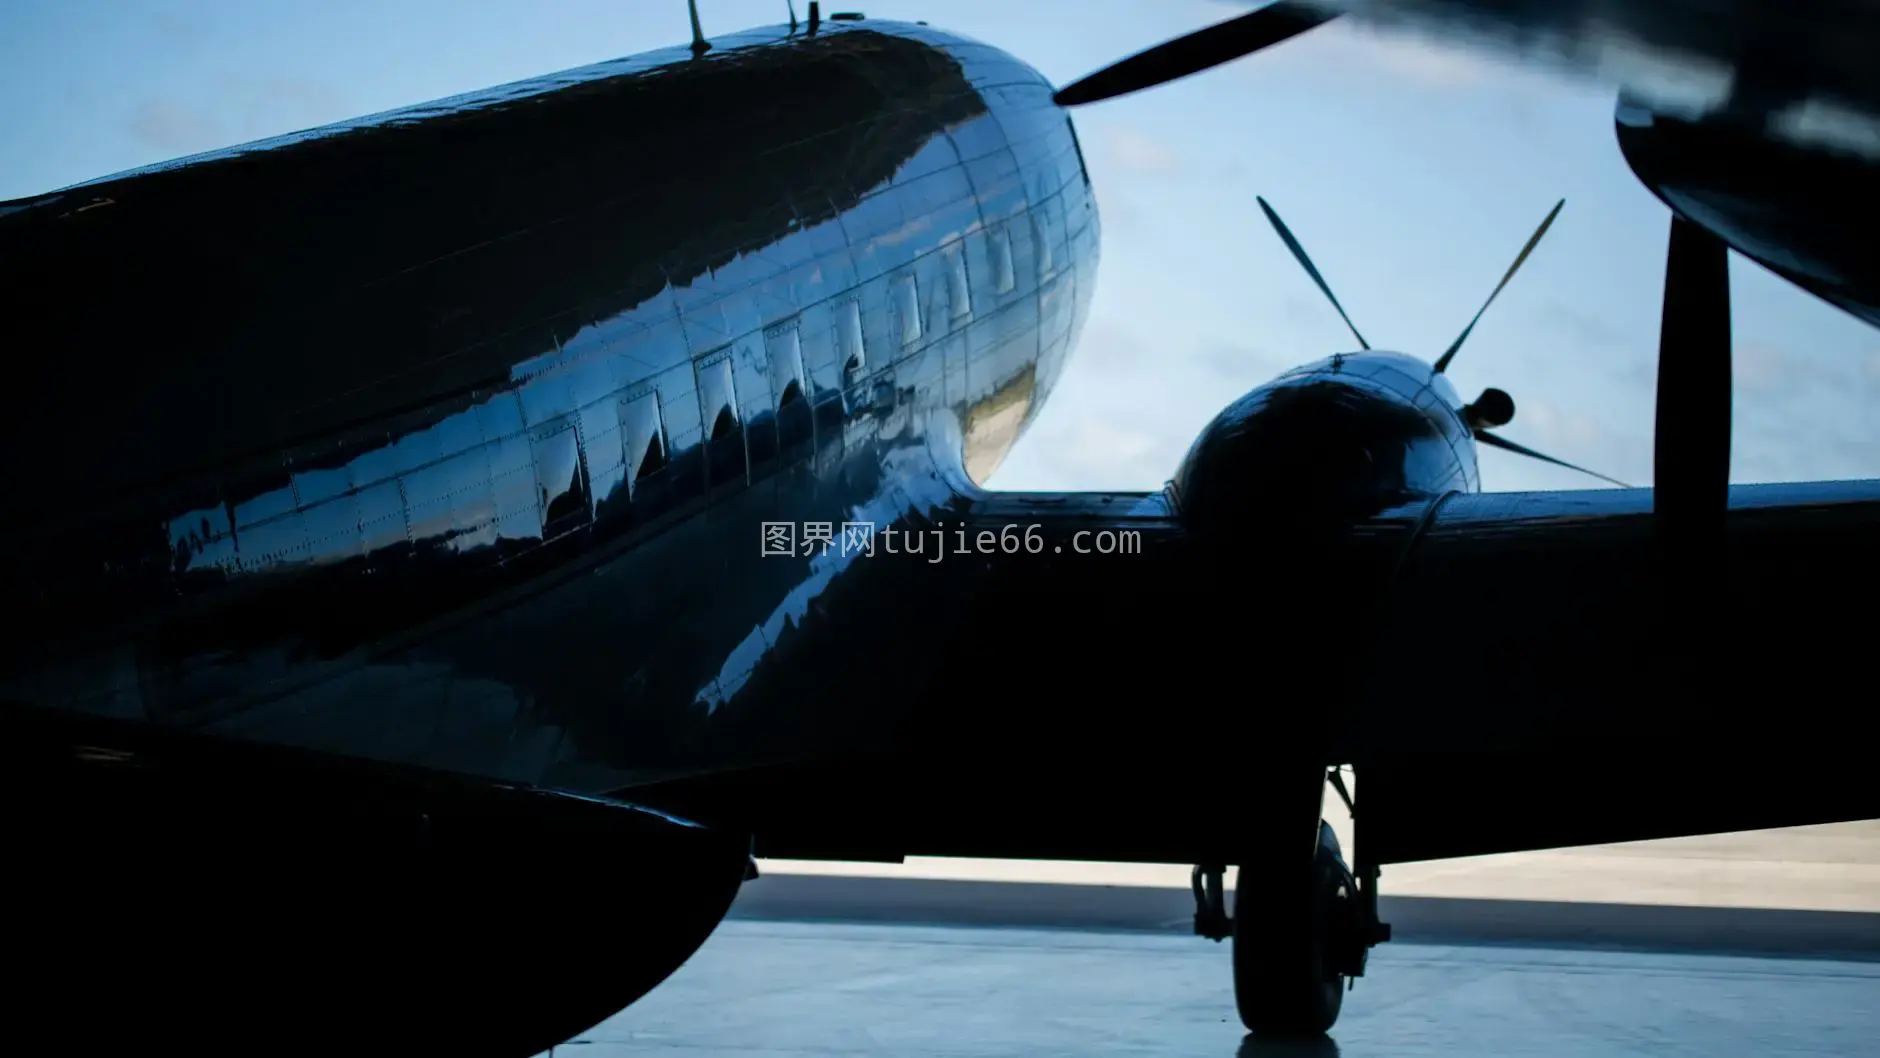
<point>445,437</point>
<point>1332,441</point>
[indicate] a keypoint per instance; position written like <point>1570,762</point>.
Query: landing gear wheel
<point>1289,923</point>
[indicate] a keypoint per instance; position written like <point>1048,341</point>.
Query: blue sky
<point>1413,172</point>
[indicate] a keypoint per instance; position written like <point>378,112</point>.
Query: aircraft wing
<point>1528,690</point>
<point>1499,668</point>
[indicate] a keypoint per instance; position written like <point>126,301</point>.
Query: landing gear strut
<point>1211,919</point>
<point>1302,928</point>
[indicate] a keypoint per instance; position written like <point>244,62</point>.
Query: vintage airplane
<point>448,544</point>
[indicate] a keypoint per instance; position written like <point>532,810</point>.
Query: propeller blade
<point>1691,444</point>
<point>1299,254</point>
<point>1200,50</point>
<point>1533,240</point>
<point>1496,441</point>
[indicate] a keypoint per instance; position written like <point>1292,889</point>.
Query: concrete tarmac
<point>1761,944</point>
<point>775,989</point>
<point>931,901</point>
<point>1799,891</point>
<point>1835,867</point>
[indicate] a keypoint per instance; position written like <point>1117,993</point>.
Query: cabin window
<point>717,397</point>
<point>561,495</point>
<point>850,348</point>
<point>957,293</point>
<point>907,308</point>
<point>999,248</point>
<point>783,347</point>
<point>642,437</point>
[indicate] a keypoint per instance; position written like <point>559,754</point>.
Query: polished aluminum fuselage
<point>462,437</point>
<point>445,437</point>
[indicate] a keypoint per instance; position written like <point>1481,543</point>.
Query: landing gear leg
<point>1302,926</point>
<point>1211,919</point>
<point>1363,930</point>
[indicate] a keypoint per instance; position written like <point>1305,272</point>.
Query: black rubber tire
<point>1282,917</point>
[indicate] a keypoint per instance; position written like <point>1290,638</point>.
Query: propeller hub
<point>1493,408</point>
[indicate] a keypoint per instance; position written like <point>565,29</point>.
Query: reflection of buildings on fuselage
<point>993,425</point>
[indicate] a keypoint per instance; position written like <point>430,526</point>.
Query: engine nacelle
<point>187,893</point>
<point>1798,205</point>
<point>1324,445</point>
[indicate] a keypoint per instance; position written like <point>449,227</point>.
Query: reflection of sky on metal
<point>1817,122</point>
<point>465,481</point>
<point>916,481</point>
<point>1410,168</point>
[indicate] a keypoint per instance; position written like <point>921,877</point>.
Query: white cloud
<point>1586,327</point>
<point>1827,123</point>
<point>1089,449</point>
<point>1106,443</point>
<point>1238,368</point>
<point>1137,153</point>
<point>1759,366</point>
<point>1574,436</point>
<point>1765,368</point>
<point>1405,55</point>
<point>1413,59</point>
<point>166,126</point>
<point>1558,432</point>
<point>271,106</point>
<point>1105,345</point>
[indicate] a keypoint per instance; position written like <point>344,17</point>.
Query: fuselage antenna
<point>815,15</point>
<point>791,4</point>
<point>699,44</point>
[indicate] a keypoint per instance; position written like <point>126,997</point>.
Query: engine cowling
<point>195,891</point>
<point>1325,445</point>
<point>1798,206</point>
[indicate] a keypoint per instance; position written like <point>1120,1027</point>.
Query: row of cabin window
<point>642,427</point>
<point>783,344</point>
<point>959,289</point>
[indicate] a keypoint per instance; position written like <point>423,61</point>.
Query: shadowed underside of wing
<point>1496,669</point>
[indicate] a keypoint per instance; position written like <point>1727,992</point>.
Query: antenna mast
<point>699,44</point>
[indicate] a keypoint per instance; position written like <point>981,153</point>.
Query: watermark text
<point>788,539</point>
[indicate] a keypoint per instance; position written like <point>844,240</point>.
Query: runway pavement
<point>1763,944</point>
<point>1806,890</point>
<point>777,989</point>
